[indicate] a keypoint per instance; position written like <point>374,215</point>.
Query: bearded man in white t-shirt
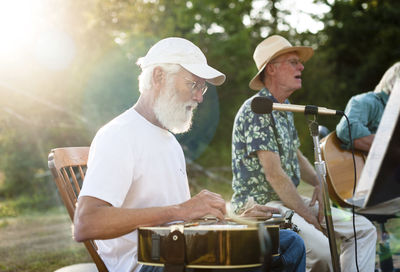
<point>136,168</point>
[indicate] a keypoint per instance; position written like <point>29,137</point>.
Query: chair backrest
<point>68,167</point>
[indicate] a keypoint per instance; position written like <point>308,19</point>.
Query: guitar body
<point>340,169</point>
<point>206,246</point>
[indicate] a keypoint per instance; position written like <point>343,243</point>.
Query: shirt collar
<point>266,92</point>
<point>383,96</point>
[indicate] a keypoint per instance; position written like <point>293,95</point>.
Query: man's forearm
<point>307,171</point>
<point>287,192</point>
<point>283,185</point>
<point>364,143</point>
<point>96,220</point>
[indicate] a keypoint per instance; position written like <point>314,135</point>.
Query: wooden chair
<point>68,167</point>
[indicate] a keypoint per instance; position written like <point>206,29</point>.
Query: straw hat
<point>271,48</point>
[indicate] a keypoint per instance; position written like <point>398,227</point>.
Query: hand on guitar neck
<point>203,204</point>
<point>258,210</point>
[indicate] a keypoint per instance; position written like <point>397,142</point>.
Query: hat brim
<point>305,53</point>
<point>210,74</point>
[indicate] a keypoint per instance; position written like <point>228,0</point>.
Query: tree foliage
<point>359,43</point>
<point>43,109</point>
<point>362,42</point>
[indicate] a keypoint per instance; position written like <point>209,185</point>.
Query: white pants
<point>317,244</point>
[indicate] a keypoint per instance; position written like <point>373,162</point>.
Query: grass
<point>39,242</point>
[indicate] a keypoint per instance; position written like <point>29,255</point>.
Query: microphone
<point>263,105</point>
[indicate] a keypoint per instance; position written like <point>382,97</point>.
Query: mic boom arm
<point>308,109</point>
<point>263,105</point>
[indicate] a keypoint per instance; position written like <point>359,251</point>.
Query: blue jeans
<point>293,252</point>
<point>292,257</point>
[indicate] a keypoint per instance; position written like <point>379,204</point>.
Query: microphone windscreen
<point>261,105</point>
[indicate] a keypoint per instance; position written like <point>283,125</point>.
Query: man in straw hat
<point>136,168</point>
<point>268,165</point>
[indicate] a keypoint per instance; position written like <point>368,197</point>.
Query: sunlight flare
<point>26,30</point>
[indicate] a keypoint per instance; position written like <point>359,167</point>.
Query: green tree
<point>219,29</point>
<point>44,109</point>
<point>359,42</point>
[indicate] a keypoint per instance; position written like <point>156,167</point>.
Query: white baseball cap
<point>183,52</point>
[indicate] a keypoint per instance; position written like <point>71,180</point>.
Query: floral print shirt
<point>253,132</point>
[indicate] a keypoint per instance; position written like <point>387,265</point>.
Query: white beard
<point>174,115</point>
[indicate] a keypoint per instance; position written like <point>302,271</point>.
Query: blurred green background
<point>68,66</point>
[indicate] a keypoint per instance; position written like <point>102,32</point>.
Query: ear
<point>158,77</point>
<point>269,69</point>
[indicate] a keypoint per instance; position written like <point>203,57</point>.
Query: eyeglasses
<point>293,62</point>
<point>197,86</point>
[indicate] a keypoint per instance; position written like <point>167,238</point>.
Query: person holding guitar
<point>136,174</point>
<point>365,112</point>
<point>267,163</point>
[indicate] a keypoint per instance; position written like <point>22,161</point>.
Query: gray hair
<point>388,79</point>
<point>145,78</point>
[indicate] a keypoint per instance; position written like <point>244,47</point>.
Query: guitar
<point>340,168</point>
<point>204,245</point>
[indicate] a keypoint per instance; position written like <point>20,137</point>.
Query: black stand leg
<point>385,254</point>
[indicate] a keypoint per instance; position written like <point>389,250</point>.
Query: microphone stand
<point>321,172</point>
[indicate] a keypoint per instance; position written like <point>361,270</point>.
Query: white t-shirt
<point>133,164</point>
